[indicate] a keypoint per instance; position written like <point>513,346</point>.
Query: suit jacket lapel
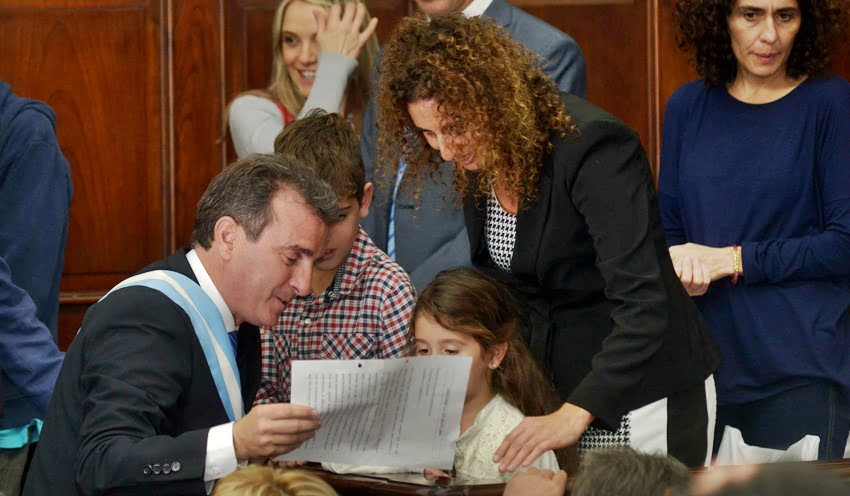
<point>530,222</point>
<point>474,210</point>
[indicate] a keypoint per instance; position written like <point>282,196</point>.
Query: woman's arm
<point>824,254</point>
<point>613,191</point>
<point>610,184</point>
<point>254,123</point>
<point>820,255</point>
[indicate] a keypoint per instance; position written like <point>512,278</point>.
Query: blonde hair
<point>283,89</point>
<point>257,480</point>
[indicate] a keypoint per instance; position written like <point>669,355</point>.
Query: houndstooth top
<point>500,232</point>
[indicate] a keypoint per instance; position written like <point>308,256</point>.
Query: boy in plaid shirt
<point>361,302</point>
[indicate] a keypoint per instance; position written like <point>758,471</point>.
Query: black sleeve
<point>137,365</point>
<point>612,189</point>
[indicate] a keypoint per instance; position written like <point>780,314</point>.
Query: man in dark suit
<point>150,398</point>
<point>432,237</point>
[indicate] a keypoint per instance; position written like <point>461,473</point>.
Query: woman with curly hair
<point>755,199</point>
<point>560,207</point>
<point>322,53</point>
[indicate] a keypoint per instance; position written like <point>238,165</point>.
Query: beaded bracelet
<point>736,260</point>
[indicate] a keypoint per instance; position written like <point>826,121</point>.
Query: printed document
<point>399,412</point>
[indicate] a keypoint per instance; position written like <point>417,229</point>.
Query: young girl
<point>465,312</point>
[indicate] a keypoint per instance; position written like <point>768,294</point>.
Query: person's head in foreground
<point>537,482</point>
<point>777,479</point>
<point>257,480</point>
<point>326,144</point>
<point>760,40</point>
<point>460,89</point>
<point>260,226</point>
<point>622,471</point>
<point>465,312</point>
<point>295,53</point>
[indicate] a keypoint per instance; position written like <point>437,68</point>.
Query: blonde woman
<point>256,480</point>
<point>322,56</point>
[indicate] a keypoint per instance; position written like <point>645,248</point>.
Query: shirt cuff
<point>221,455</point>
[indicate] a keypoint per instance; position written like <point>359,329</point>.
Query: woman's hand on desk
<point>537,435</point>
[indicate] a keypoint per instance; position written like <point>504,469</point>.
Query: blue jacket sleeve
<point>29,357</point>
<point>36,191</point>
<point>668,178</point>
<point>826,253</point>
<point>564,63</point>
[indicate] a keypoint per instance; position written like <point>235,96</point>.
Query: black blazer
<point>607,315</point>
<point>135,392</point>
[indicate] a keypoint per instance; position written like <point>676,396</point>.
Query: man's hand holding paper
<point>401,412</point>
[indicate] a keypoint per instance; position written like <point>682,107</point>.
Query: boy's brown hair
<point>327,144</point>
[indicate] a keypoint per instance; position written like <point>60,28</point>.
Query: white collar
<point>209,288</point>
<point>476,8</point>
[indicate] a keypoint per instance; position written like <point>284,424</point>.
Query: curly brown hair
<point>484,84</point>
<point>704,31</point>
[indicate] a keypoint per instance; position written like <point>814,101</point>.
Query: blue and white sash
<point>209,327</point>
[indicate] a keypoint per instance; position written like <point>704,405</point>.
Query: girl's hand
<point>694,274</point>
<point>434,473</point>
<point>338,30</point>
<point>537,435</point>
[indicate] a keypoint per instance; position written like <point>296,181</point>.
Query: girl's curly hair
<point>704,31</point>
<point>484,84</point>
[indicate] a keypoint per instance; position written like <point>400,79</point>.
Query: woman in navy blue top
<point>755,198</point>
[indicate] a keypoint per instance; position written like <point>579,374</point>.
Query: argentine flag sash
<point>209,327</point>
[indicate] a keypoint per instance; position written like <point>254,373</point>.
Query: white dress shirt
<point>476,8</point>
<point>221,455</point>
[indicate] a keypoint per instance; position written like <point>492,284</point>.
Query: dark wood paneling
<point>97,63</point>
<point>197,108</point>
<point>614,38</point>
<point>389,12</point>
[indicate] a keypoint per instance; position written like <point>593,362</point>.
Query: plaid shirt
<point>365,314</point>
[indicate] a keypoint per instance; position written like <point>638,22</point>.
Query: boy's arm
<point>397,304</point>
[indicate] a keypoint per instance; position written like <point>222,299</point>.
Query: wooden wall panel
<point>616,43</point>
<point>197,109</point>
<point>97,64</point>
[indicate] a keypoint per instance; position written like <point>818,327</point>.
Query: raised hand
<point>338,29</point>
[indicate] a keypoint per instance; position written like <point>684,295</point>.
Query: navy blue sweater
<point>35,193</point>
<point>774,178</point>
<point>28,354</point>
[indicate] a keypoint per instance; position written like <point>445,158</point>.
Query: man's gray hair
<point>625,472</point>
<point>244,191</point>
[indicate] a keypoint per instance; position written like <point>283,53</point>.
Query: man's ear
<point>225,236</point>
<point>368,191</point>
